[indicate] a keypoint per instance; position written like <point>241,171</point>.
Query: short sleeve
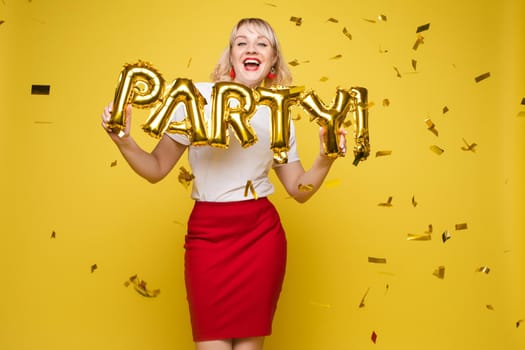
<point>178,115</point>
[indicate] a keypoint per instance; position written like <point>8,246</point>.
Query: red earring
<point>232,73</point>
<point>272,74</point>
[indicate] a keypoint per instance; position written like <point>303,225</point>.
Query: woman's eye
<point>262,44</point>
<point>241,43</point>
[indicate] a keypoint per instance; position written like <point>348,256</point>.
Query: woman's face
<point>252,56</point>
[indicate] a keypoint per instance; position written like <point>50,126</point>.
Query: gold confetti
<point>362,302</point>
<point>93,268</point>
<point>469,146</point>
<point>305,188</point>
<point>336,57</point>
<point>483,269</point>
<point>2,21</point>
<point>462,226</point>
<point>249,187</point>
<point>386,102</point>
<point>374,260</point>
<point>523,101</point>
<point>440,272</point>
<point>373,337</point>
<point>397,72</point>
<point>414,203</point>
<point>482,77</point>
<point>414,64</point>
<point>189,62</point>
<point>185,177</point>
<point>270,4</point>
<point>347,33</point>
<point>437,150</point>
<point>388,203</point>
<point>369,20</point>
<point>294,63</point>
<point>445,236</point>
<point>423,27</point>
<point>382,51</point>
<point>490,307</point>
<point>113,163</point>
<point>323,79</point>
<point>419,237</point>
<point>430,229</point>
<point>383,153</point>
<point>53,234</point>
<point>431,126</point>
<point>518,323</point>
<point>141,288</point>
<point>381,18</point>
<point>445,109</point>
<point>333,20</point>
<point>419,41</point>
<point>297,20</point>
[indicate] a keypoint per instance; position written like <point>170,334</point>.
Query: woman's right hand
<point>117,136</point>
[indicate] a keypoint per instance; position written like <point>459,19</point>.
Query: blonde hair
<point>283,76</point>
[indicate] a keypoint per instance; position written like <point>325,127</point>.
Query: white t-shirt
<point>221,174</point>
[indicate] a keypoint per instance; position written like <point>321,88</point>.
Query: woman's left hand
<point>342,141</point>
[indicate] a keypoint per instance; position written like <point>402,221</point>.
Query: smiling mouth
<point>251,64</point>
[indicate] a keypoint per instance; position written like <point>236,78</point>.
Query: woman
<point>235,249</point>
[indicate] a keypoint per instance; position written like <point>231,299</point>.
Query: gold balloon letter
<point>331,117</point>
<point>181,91</point>
<point>280,100</point>
<point>361,137</point>
<point>223,113</point>
<point>139,84</point>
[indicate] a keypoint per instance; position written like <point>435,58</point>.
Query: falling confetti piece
<point>2,22</point>
<point>386,102</point>
<point>382,50</point>
<point>189,63</point>
<point>445,236</point>
<point>297,20</point>
<point>53,234</point>
<point>414,64</point>
<point>462,226</point>
<point>523,101</point>
<point>374,260</point>
<point>369,20</point>
<point>490,307</point>
<point>249,187</point>
<point>420,40</point>
<point>431,126</point>
<point>93,268</point>
<point>437,150</point>
<point>397,72</point>
<point>113,163</point>
<point>440,272</point>
<point>381,18</point>
<point>140,287</point>
<point>294,63</point>
<point>419,237</point>
<point>423,27</point>
<point>483,269</point>
<point>323,79</point>
<point>414,203</point>
<point>373,337</point>
<point>270,4</point>
<point>362,303</point>
<point>430,229</point>
<point>383,153</point>
<point>469,146</point>
<point>445,109</point>
<point>336,57</point>
<point>482,77</point>
<point>333,20</point>
<point>185,177</point>
<point>346,32</point>
<point>305,188</point>
<point>518,323</point>
<point>388,203</point>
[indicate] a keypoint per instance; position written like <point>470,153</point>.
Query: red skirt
<point>235,262</point>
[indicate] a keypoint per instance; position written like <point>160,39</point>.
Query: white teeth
<point>248,61</point>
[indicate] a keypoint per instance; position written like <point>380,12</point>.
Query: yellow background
<point>57,176</point>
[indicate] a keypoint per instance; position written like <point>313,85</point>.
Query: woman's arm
<point>152,166</point>
<point>301,184</point>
